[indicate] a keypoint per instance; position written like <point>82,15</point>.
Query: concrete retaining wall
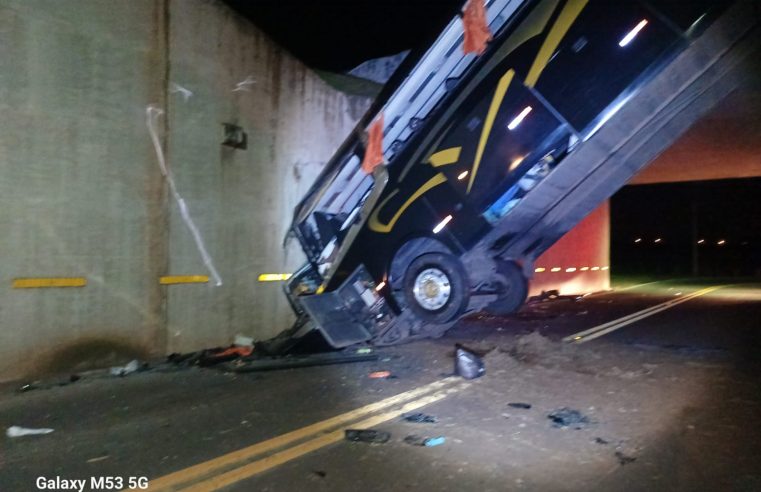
<point>82,195</point>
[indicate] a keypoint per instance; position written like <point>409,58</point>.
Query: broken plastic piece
<point>371,436</point>
<point>420,418</point>
<point>429,442</point>
<point>379,375</point>
<point>243,341</point>
<point>524,406</point>
<point>434,441</point>
<point>131,367</point>
<point>568,417</point>
<point>467,364</point>
<point>16,431</point>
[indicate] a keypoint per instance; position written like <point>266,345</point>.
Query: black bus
<point>490,159</point>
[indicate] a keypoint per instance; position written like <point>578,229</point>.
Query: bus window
<point>524,131</point>
<point>608,47</point>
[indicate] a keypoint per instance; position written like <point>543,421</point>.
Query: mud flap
<point>353,313</point>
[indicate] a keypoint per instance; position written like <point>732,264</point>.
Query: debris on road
<point>600,440</point>
<point>121,371</point>
<point>260,363</point>
<point>35,385</point>
<point>243,341</point>
<point>532,347</point>
<point>379,375</point>
<point>420,418</point>
<point>624,459</point>
<point>98,458</point>
<point>568,417</point>
<point>16,431</point>
<point>371,436</point>
<point>428,442</point>
<point>467,364</point>
<point>524,406</point>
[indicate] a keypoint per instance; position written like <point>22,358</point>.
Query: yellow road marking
<point>605,328</point>
<point>231,459</point>
<point>264,464</point>
<point>184,279</point>
<point>34,283</point>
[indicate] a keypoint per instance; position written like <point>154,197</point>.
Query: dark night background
<point>726,210</point>
<point>337,35</point>
<point>340,34</point>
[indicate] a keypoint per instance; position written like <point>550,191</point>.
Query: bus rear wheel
<point>436,287</point>
<point>513,289</point>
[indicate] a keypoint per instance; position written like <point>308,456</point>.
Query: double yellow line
<point>605,328</point>
<point>243,463</point>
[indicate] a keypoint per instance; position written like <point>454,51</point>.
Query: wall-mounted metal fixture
<point>235,137</point>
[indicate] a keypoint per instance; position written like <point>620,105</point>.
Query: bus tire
<point>514,289</point>
<point>436,287</point>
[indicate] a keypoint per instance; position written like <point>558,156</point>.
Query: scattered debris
<point>524,406</point>
<point>420,418</point>
<point>429,442</point>
<point>121,371</point>
<point>532,347</point>
<point>16,431</point>
<point>320,473</point>
<point>379,375</point>
<point>243,341</point>
<point>624,459</point>
<point>434,441</point>
<point>99,458</point>
<point>35,385</point>
<point>568,417</point>
<point>371,436</point>
<point>467,364</point>
<point>364,350</point>
<point>600,440</point>
<point>295,361</point>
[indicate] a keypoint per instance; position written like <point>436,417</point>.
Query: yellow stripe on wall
<point>35,283</point>
<point>184,279</point>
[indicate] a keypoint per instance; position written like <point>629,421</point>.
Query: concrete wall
<point>81,193</point>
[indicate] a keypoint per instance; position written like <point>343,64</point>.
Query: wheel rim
<point>432,289</point>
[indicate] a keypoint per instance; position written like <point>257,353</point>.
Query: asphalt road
<point>671,393</point>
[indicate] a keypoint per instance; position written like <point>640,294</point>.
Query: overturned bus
<point>490,159</point>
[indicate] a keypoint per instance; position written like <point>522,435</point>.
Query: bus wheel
<point>513,289</point>
<point>436,287</point>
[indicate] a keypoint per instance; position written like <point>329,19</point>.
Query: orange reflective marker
<point>374,150</point>
<point>477,33</point>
